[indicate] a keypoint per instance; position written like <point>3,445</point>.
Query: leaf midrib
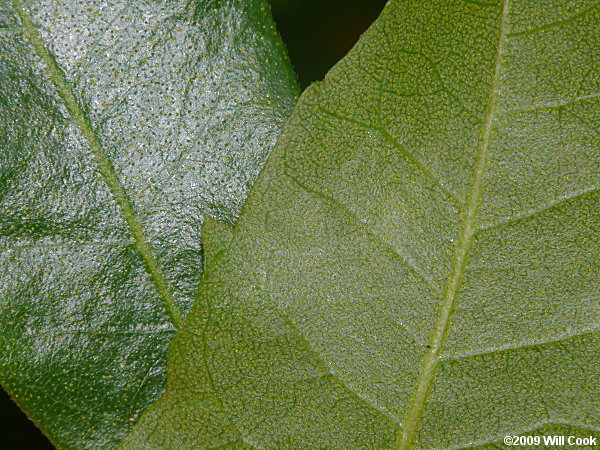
<point>430,362</point>
<point>105,166</point>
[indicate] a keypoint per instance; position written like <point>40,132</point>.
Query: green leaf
<point>417,264</point>
<point>122,125</point>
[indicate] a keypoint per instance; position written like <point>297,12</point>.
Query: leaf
<point>417,264</point>
<point>122,125</point>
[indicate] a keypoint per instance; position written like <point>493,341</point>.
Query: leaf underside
<point>417,264</point>
<point>121,126</point>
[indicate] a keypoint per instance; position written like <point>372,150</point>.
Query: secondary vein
<point>432,358</point>
<point>105,166</point>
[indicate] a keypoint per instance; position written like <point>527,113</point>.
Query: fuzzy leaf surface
<point>417,265</point>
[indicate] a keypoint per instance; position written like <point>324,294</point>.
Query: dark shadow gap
<point>16,430</point>
<point>318,33</point>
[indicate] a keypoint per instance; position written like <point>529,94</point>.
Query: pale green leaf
<point>417,265</point>
<point>122,123</point>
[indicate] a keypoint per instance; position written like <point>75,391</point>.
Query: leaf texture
<point>122,124</point>
<point>417,264</point>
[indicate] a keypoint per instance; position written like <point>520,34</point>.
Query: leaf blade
<point>180,103</point>
<point>105,166</point>
<point>350,236</point>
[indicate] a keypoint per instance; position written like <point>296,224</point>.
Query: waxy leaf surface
<point>122,124</point>
<point>417,264</point>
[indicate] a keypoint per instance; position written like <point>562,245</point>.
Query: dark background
<point>317,33</point>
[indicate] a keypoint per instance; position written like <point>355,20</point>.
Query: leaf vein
<point>550,106</point>
<point>552,25</point>
<point>105,166</point>
<point>521,345</point>
<point>531,213</point>
<point>337,206</point>
<point>402,150</point>
<point>431,359</point>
